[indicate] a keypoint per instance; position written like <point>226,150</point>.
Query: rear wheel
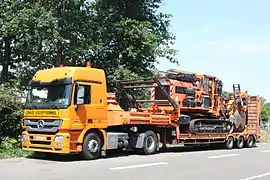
<point>240,142</point>
<point>92,146</point>
<point>250,142</point>
<point>229,143</point>
<point>150,143</point>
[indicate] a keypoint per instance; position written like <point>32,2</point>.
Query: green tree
<point>130,34</point>
<point>226,94</point>
<point>43,34</point>
<point>265,110</point>
<point>125,38</point>
<point>8,30</point>
<point>26,31</point>
<point>10,110</point>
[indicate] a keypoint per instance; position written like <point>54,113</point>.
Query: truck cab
<point>63,103</point>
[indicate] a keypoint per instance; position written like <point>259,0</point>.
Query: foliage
<point>27,32</point>
<point>125,38</point>
<point>226,94</point>
<point>9,147</point>
<point>131,34</point>
<point>265,112</point>
<point>109,33</point>
<point>10,121</point>
<point>9,143</point>
<point>10,111</point>
<point>122,73</point>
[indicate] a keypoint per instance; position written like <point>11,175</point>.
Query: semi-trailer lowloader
<point>68,110</point>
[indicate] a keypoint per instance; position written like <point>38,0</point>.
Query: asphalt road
<point>177,163</point>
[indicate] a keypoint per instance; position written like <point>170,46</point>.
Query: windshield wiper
<point>50,105</point>
<point>55,106</point>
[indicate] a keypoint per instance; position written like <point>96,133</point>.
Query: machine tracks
<point>210,126</point>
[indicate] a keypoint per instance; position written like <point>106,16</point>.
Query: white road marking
<point>221,156</point>
<point>265,151</point>
<point>255,177</point>
<point>139,166</point>
<point>211,151</point>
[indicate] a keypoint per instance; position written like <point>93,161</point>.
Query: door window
<point>83,95</point>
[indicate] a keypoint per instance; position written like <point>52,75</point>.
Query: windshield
<point>49,96</point>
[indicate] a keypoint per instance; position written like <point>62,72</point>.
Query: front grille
<point>43,125</point>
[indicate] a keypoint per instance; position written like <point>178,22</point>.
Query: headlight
<point>59,138</point>
<point>24,137</point>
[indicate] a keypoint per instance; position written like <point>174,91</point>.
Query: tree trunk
<point>7,53</point>
<point>60,57</point>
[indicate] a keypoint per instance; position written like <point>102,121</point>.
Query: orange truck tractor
<point>68,110</point>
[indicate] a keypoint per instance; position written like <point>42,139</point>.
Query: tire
<point>250,142</point>
<point>150,137</point>
<point>229,143</point>
<point>91,146</point>
<point>240,142</point>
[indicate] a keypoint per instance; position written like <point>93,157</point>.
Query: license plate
<point>39,138</point>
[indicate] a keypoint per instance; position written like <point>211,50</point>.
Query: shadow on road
<point>75,157</point>
<point>116,154</point>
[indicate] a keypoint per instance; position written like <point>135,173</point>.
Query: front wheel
<point>92,146</point>
<point>150,143</point>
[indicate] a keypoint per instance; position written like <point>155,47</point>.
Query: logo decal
<point>40,124</point>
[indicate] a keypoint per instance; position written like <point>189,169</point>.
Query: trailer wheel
<point>229,143</point>
<point>250,142</point>
<point>91,146</point>
<point>240,142</point>
<point>150,143</point>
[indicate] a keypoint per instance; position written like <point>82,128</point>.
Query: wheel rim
<point>150,143</point>
<point>93,146</point>
<point>250,141</point>
<point>230,142</point>
<point>240,141</point>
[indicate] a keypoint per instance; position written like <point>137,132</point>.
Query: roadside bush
<point>10,147</point>
<point>9,143</point>
<point>11,108</point>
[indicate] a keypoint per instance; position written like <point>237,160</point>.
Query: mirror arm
<point>76,107</point>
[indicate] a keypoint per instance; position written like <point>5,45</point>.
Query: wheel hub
<point>250,141</point>
<point>230,143</point>
<point>93,146</point>
<point>150,143</point>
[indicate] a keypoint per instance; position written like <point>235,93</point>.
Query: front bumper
<point>46,143</point>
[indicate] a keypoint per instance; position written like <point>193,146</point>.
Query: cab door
<point>89,106</point>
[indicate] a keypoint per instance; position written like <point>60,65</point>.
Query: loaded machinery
<point>195,100</point>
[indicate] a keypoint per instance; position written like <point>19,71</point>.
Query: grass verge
<point>13,153</point>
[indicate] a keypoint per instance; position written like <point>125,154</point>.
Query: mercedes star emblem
<point>40,124</point>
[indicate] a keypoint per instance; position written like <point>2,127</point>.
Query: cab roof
<point>72,73</point>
